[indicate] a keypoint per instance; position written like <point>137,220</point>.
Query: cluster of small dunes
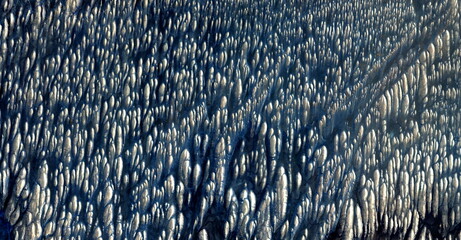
<point>183,119</point>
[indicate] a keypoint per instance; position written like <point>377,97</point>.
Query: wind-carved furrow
<point>383,76</point>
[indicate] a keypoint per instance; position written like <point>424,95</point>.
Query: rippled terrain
<point>230,119</point>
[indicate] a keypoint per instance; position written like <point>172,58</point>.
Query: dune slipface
<point>230,119</point>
